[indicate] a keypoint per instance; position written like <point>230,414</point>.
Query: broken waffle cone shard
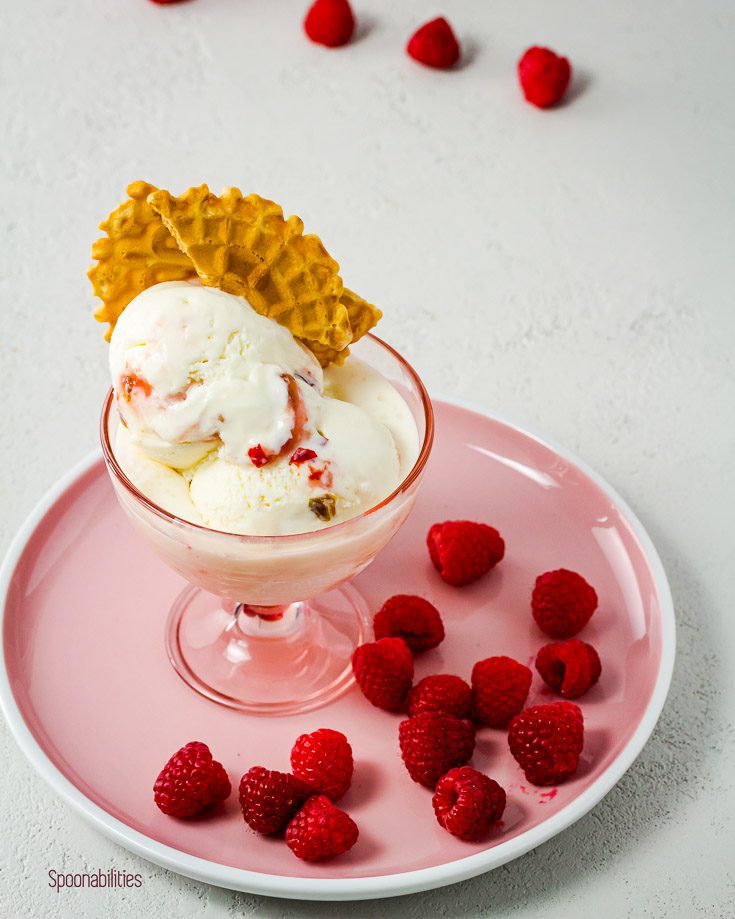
<point>241,245</point>
<point>362,315</point>
<point>245,246</point>
<point>137,252</point>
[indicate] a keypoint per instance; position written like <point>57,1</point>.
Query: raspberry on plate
<point>330,22</point>
<point>323,760</point>
<point>443,693</point>
<point>467,802</point>
<point>434,44</point>
<point>562,603</point>
<point>411,618</point>
<point>190,782</point>
<point>320,830</point>
<point>269,799</point>
<point>384,672</point>
<point>463,551</point>
<point>570,667</point>
<point>544,76</point>
<point>432,743</point>
<point>500,688</point>
<point>546,741</point>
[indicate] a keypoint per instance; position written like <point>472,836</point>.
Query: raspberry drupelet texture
<point>546,741</point>
<point>269,799</point>
<point>570,667</point>
<point>500,688</point>
<point>463,551</point>
<point>467,803</point>
<point>384,672</point>
<point>432,743</point>
<point>330,22</point>
<point>411,618</point>
<point>190,782</point>
<point>562,603</point>
<point>320,831</point>
<point>443,693</point>
<point>435,45</point>
<point>544,76</point>
<point>323,760</point>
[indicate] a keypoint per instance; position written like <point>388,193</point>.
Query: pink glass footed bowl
<point>268,624</point>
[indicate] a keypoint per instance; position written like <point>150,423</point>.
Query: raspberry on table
<point>320,830</point>
<point>547,740</point>
<point>323,760</point>
<point>562,603</point>
<point>330,22</point>
<point>384,672</point>
<point>190,782</point>
<point>570,667</point>
<point>432,743</point>
<point>434,44</point>
<point>443,693</point>
<point>411,618</point>
<point>463,551</point>
<point>269,799</point>
<point>500,688</point>
<point>544,76</point>
<point>467,802</point>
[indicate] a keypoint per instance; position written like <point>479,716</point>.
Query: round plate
<point>98,709</point>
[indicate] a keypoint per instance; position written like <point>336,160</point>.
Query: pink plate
<point>97,708</point>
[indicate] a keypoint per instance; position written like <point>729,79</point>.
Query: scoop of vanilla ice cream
<point>196,369</point>
<point>358,466</point>
<point>201,379</point>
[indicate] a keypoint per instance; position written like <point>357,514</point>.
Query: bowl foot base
<point>284,664</point>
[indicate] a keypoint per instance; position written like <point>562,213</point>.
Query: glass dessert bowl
<point>268,624</point>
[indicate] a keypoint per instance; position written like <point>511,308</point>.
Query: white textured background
<point>572,270</point>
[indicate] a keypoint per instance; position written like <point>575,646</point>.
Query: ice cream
<point>230,422</point>
<point>243,405</point>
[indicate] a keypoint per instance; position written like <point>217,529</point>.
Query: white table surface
<point>572,270</point>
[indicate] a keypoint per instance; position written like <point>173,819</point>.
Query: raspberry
<point>302,455</point>
<point>190,782</point>
<point>570,667</point>
<point>443,693</point>
<point>323,759</point>
<point>384,672</point>
<point>320,830</point>
<point>330,22</point>
<point>466,802</point>
<point>432,743</point>
<point>462,551</point>
<point>546,741</point>
<point>411,618</point>
<point>269,799</point>
<point>499,689</point>
<point>258,456</point>
<point>562,603</point>
<point>544,76</point>
<point>434,45</point>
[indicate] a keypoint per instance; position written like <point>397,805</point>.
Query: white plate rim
<point>359,888</point>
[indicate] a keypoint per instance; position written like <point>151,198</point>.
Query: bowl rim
<point>414,473</point>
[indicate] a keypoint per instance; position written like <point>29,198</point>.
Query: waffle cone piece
<point>245,246</point>
<point>137,252</point>
<point>241,245</point>
<point>362,315</point>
